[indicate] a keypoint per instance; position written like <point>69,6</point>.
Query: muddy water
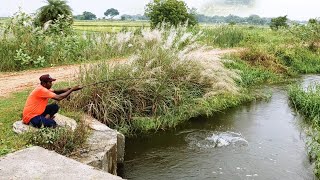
<point>261,140</point>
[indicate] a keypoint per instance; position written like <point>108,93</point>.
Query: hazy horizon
<point>296,10</point>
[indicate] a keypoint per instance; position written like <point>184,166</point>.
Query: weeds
<point>62,139</point>
<point>24,46</point>
<point>177,72</point>
<point>223,36</point>
<point>307,102</point>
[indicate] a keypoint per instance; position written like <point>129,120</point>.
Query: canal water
<point>261,140</point>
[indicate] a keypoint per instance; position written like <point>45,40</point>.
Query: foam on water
<point>206,140</point>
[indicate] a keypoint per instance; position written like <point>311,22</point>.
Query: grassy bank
<point>11,109</point>
<point>61,140</point>
<point>170,75</point>
<point>170,79</point>
<point>307,103</point>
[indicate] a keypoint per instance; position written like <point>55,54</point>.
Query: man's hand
<point>76,88</point>
<point>59,97</point>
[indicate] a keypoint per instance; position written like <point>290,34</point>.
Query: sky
<point>295,9</point>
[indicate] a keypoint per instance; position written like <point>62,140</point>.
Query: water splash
<point>209,140</point>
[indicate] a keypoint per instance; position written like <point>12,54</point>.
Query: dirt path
<point>13,82</point>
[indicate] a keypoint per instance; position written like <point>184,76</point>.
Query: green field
<point>108,26</point>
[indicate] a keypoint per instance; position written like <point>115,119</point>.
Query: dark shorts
<point>40,120</point>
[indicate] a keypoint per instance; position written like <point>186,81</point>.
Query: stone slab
<point>19,127</point>
<point>65,121</point>
<point>39,163</point>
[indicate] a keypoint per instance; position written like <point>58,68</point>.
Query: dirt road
<point>17,81</point>
<point>13,82</point>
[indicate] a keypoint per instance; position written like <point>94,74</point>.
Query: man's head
<point>46,81</point>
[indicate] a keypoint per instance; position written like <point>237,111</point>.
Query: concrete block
<point>102,147</point>
<point>39,163</point>
<point>120,147</point>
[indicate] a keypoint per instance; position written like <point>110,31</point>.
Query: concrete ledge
<point>121,141</point>
<point>104,147</point>
<point>39,163</point>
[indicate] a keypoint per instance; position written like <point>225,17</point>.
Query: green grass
<point>307,103</point>
<point>11,111</point>
<point>174,84</point>
<point>109,26</point>
<point>253,75</point>
<point>112,23</point>
<point>62,140</point>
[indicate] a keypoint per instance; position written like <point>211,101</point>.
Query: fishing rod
<point>110,80</point>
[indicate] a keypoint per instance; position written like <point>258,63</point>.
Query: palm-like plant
<point>52,10</point>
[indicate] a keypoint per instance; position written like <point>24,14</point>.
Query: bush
<point>61,140</point>
<point>259,56</point>
<point>167,71</point>
<point>24,46</point>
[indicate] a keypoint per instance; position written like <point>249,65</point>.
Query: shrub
<point>167,71</point>
<point>25,46</point>
<point>260,57</point>
<point>62,139</point>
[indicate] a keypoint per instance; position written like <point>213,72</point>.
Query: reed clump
<point>171,71</point>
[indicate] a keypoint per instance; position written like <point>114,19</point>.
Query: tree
<point>255,19</point>
<point>313,21</point>
<point>52,10</point>
<point>89,16</point>
<point>86,16</point>
<point>174,12</point>
<point>111,12</point>
<point>278,22</point>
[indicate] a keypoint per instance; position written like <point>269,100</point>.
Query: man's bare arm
<point>61,96</point>
<point>60,91</point>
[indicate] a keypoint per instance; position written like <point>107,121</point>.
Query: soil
<point>17,81</point>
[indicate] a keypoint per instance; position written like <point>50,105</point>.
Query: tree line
<point>172,12</point>
<point>201,18</point>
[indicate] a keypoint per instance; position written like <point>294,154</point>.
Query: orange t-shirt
<point>36,103</point>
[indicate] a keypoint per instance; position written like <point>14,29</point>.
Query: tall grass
<point>223,36</point>
<point>252,75</point>
<point>25,46</point>
<point>174,72</point>
<point>307,102</point>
